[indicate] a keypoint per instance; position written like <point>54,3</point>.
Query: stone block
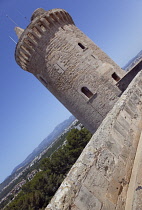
<point>108,205</point>
<point>115,132</point>
<point>106,163</point>
<point>119,172</point>
<point>73,207</point>
<point>120,129</point>
<point>87,201</point>
<point>114,191</point>
<point>96,183</point>
<point>124,153</point>
<point>113,145</point>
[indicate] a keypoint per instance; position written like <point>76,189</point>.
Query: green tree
<point>36,194</point>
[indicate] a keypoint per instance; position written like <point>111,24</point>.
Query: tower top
<point>43,24</point>
<point>19,31</point>
<point>37,13</point>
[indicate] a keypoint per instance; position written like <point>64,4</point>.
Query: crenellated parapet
<point>72,67</point>
<point>90,85</point>
<point>42,22</point>
<point>107,175</point>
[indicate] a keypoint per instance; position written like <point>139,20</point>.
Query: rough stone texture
<point>100,177</point>
<point>125,81</point>
<point>86,200</point>
<point>134,193</point>
<point>65,60</point>
<point>19,31</point>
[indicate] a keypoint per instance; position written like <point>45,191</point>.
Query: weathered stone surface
<point>74,208</point>
<point>19,31</point>
<point>65,60</point>
<point>96,183</point>
<point>107,205</point>
<point>85,80</point>
<point>114,190</point>
<point>134,193</point>
<point>102,173</point>
<point>86,200</point>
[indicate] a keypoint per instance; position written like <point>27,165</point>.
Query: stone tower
<point>78,73</point>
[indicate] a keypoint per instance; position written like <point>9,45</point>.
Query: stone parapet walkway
<point>107,175</point>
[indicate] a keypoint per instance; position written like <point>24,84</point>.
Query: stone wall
<point>134,193</point>
<point>99,180</point>
<point>125,81</point>
<point>67,62</point>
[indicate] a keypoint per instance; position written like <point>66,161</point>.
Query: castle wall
<point>125,81</point>
<point>74,69</point>
<point>99,180</point>
<point>134,193</point>
<point>67,68</point>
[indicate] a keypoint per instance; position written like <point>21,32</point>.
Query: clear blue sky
<point>28,112</point>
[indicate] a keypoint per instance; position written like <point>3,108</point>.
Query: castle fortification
<point>78,73</point>
<point>107,175</point>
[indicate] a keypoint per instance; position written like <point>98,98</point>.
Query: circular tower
<point>78,73</point>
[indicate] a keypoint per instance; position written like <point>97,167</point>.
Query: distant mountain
<point>58,130</point>
<point>133,61</point>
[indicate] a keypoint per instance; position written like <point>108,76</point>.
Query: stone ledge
<point>119,126</point>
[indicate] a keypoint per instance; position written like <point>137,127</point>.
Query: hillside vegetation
<point>36,194</point>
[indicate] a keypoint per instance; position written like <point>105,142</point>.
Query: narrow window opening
<point>81,45</point>
<point>115,77</point>
<point>87,92</point>
<point>63,28</point>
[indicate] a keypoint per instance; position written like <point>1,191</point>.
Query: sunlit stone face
<point>19,31</point>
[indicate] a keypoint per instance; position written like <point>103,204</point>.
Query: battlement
<point>107,175</point>
<point>43,23</point>
<point>89,84</point>
<point>80,75</point>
